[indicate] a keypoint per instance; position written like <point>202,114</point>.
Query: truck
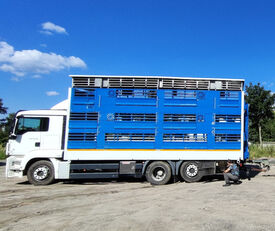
<point>154,127</point>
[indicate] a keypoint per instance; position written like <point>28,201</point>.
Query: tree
<point>269,130</point>
<point>261,103</point>
<point>3,110</point>
<point>5,128</point>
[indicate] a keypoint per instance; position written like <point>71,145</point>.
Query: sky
<point>43,42</point>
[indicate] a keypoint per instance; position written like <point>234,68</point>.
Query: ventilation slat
<point>84,92</point>
<point>137,93</point>
<point>180,94</point>
<point>227,118</point>
<point>82,137</point>
<point>232,85</point>
<point>227,137</point>
<point>179,118</point>
<point>158,82</point>
<point>185,137</point>
<point>227,95</point>
<point>129,137</point>
<point>92,116</point>
<point>135,117</point>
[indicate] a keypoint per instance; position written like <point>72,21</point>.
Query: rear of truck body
<point>158,127</point>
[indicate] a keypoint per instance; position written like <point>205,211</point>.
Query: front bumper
<point>14,167</point>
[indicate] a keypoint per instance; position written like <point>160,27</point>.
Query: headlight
<point>16,162</point>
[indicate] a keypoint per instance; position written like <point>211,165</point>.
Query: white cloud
<point>34,61</point>
<point>36,76</point>
<point>50,28</point>
<point>5,51</point>
<point>52,93</point>
<point>46,32</point>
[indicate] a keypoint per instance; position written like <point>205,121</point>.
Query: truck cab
<point>37,135</point>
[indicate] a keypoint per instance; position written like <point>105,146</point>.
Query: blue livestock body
<point>127,118</point>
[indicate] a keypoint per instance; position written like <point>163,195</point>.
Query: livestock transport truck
<point>113,126</point>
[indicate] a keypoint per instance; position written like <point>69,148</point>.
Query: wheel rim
<point>158,173</point>
<point>192,170</point>
<point>41,173</point>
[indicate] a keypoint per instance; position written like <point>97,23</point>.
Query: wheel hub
<point>159,174</point>
<point>192,170</point>
<point>41,173</point>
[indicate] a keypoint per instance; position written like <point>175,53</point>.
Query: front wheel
<point>158,173</point>
<point>41,173</point>
<point>190,171</point>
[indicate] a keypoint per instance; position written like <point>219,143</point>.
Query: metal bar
<point>94,175</point>
<point>94,166</point>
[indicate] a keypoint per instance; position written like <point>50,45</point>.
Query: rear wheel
<point>158,173</point>
<point>41,173</point>
<point>190,171</point>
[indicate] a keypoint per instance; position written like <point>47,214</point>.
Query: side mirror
<point>12,136</point>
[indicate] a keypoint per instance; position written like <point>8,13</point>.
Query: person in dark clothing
<point>232,173</point>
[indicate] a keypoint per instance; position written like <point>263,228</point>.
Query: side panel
<point>61,169</point>
<point>52,140</point>
<point>124,154</point>
<point>143,124</point>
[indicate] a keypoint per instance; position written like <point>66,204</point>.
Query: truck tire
<point>158,173</point>
<point>189,171</point>
<point>41,173</point>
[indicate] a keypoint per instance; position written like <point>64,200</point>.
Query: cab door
<point>28,134</point>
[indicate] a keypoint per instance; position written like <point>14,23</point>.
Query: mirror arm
<point>12,136</point>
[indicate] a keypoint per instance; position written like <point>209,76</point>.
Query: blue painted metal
<point>182,119</point>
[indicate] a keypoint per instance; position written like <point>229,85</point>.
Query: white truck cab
<point>37,134</point>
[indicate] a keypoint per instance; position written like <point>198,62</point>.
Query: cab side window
<point>28,124</point>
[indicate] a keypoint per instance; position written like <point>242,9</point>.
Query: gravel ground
<point>136,205</point>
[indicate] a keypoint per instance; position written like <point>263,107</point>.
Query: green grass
<point>256,151</point>
<point>2,153</point>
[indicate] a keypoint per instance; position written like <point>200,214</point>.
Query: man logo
<point>110,116</point>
